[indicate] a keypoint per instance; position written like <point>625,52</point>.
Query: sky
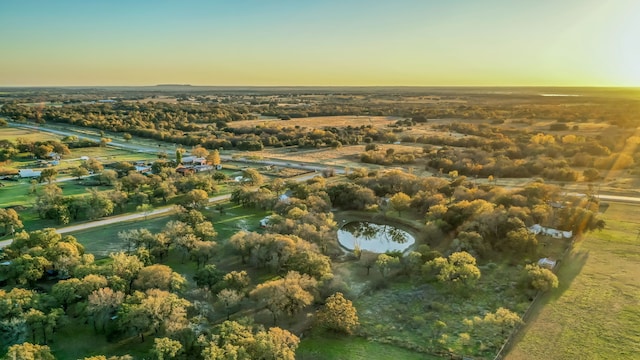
<point>320,42</point>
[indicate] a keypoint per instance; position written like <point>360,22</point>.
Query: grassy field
<point>12,134</point>
<point>100,241</point>
<point>352,348</point>
<point>595,313</point>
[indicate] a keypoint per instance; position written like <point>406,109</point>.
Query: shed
<point>29,173</point>
<point>547,263</point>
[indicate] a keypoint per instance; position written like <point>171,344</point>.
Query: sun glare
<point>625,48</point>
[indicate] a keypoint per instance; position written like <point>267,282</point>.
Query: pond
<point>374,237</point>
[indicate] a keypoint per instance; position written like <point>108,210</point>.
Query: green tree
<point>287,295</point>
<point>93,165</point>
<point>338,314</point>
<point>214,158</point>
<point>385,263</point>
<point>229,298</point>
<point>540,279</point>
<point>10,220</point>
<point>79,172</point>
<point>253,177</point>
<point>127,137</point>
<point>102,304</point>
<point>459,268</point>
<point>28,351</point>
<point>196,199</point>
<point>125,266</point>
<point>199,151</point>
<point>27,269</point>
<point>66,292</point>
<point>48,175</point>
<point>400,202</point>
<point>99,204</point>
<point>159,277</point>
<point>165,348</point>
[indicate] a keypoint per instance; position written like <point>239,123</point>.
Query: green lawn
<point>77,340</point>
<point>595,313</point>
<point>12,134</point>
<point>103,240</point>
<point>352,348</point>
<point>100,241</point>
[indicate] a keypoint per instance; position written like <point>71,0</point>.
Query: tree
<point>232,340</point>
<point>125,266</point>
<point>199,151</point>
<point>108,177</point>
<point>384,263</point>
<point>93,165</point>
<point>219,176</point>
<point>591,174</point>
<point>540,279</point>
<point>209,276</point>
<point>102,304</point>
<point>66,292</point>
<point>459,268</point>
<point>98,204</point>
<point>10,220</point>
<point>338,314</point>
<point>28,351</point>
<point>368,260</point>
<point>104,141</point>
<point>27,269</point>
<point>159,277</point>
<point>287,295</point>
<point>252,177</point>
<point>48,175</point>
<point>146,209</point>
<point>229,298</point>
<point>165,348</point>
<point>79,172</point>
<point>127,137</point>
<point>179,156</point>
<point>214,158</point>
<point>196,199</point>
<point>203,251</point>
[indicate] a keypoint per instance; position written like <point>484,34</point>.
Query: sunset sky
<point>343,42</point>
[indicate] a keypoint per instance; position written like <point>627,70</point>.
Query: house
<point>265,221</point>
<point>185,171</point>
<point>192,160</point>
<point>143,169</point>
<point>29,173</point>
<point>537,229</point>
<point>547,263</point>
<point>200,168</point>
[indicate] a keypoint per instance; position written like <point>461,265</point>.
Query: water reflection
<point>374,237</point>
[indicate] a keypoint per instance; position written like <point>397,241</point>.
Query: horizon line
<point>325,86</point>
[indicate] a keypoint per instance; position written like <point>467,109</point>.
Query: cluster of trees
<point>482,219</point>
<point>130,189</point>
<point>134,294</point>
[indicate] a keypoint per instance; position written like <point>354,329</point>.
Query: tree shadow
<point>568,269</point>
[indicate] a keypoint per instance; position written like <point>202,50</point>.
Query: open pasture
<point>595,312</point>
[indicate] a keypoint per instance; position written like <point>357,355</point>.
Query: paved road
<point>120,218</point>
<point>613,198</point>
<point>137,216</point>
<point>154,150</point>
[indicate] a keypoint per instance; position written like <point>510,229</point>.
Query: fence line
<point>527,314</point>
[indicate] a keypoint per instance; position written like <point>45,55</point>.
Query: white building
<point>558,234</point>
<point>29,173</point>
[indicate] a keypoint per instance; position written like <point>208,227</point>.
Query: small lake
<point>374,237</point>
